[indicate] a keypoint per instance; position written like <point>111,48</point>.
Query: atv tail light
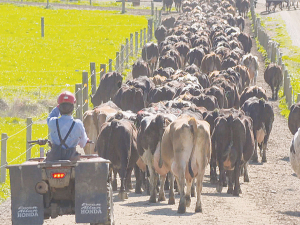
<point>58,175</point>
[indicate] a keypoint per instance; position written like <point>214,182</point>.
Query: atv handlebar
<point>45,141</point>
<point>39,142</point>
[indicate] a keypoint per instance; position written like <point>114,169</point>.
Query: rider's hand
<point>42,141</point>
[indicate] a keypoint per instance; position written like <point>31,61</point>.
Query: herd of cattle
<point>190,103</point>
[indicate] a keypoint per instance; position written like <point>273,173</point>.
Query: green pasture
<point>34,70</point>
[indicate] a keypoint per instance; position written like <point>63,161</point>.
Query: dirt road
<point>271,197</point>
<point>291,18</point>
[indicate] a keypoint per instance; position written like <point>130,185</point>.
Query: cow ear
<point>167,122</point>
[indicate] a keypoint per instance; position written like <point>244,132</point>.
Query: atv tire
<point>110,207</point>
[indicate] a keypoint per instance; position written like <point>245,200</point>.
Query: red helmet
<point>66,96</point>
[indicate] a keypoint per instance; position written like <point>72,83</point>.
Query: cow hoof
<point>198,209</point>
<point>219,187</point>
<point>229,191</point>
<point>264,159</point>
<point>246,179</point>
<point>255,159</point>
<point>161,198</point>
<point>187,201</point>
<point>224,184</point>
<point>138,191</point>
<point>152,199</point>
<point>181,208</point>
<point>236,193</point>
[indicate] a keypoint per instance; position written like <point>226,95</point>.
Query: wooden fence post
<point>127,51</point>
<point>78,95</point>
<point>110,65</point>
<point>152,8</point>
<point>28,137</point>
<point>285,76</point>
<point>298,97</point>
<point>85,91</point>
<point>93,77</point>
<point>122,58</point>
<point>136,42</point>
<point>159,18</point>
<point>102,70</point>
<point>123,6</point>
<point>145,36</point>
<point>50,108</point>
<point>117,67</point>
<point>131,44</point>
<point>42,27</point>
<point>4,138</point>
<point>141,38</point>
<point>150,30</point>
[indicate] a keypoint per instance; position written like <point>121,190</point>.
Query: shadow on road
<point>290,213</point>
<point>169,212</point>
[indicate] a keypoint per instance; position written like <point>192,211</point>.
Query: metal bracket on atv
<point>79,188</point>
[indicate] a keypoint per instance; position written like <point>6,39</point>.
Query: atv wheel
<point>110,207</point>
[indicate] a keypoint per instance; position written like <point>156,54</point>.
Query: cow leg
<point>213,169</point>
<point>222,177</point>
<point>122,193</point>
<point>188,193</point>
<point>161,195</point>
<point>181,181</point>
<point>264,156</point>
<point>246,176</point>
<point>167,183</point>
<point>193,194</point>
<point>128,184</point>
<point>138,177</point>
<point>153,183</point>
<point>115,182</point>
<point>171,191</point>
<point>255,157</point>
<point>276,93</point>
<point>237,169</point>
<point>229,174</point>
<point>199,185</point>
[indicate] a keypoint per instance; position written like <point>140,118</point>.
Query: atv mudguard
<point>91,178</point>
<point>26,204</point>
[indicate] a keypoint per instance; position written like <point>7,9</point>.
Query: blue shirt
<point>77,135</point>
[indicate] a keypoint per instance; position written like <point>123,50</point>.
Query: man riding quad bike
<point>65,182</point>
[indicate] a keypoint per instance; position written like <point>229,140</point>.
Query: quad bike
<point>40,190</point>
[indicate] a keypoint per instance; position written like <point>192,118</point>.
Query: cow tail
<point>193,126</point>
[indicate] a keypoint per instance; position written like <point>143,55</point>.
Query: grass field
<point>33,70</point>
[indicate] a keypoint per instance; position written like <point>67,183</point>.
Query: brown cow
<point>140,68</point>
<point>273,77</point>
<point>109,85</point>
<point>93,119</point>
<point>252,91</point>
<point>185,151</point>
<point>210,63</point>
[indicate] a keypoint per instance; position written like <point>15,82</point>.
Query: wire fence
<point>130,49</point>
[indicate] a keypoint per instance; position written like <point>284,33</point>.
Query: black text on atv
<point>40,190</point>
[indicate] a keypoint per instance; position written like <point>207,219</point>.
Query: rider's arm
<point>83,139</point>
<point>53,115</point>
